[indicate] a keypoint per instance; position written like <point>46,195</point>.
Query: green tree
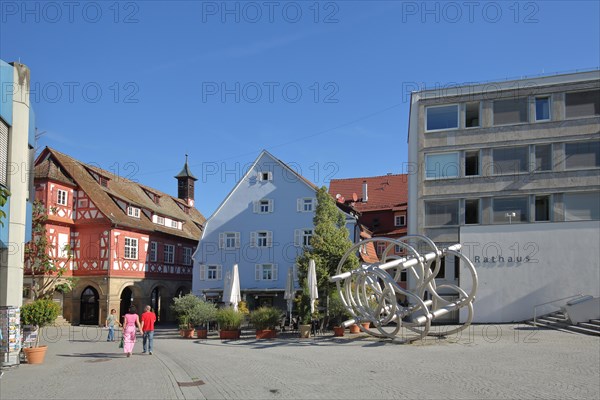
<point>328,245</point>
<point>46,271</point>
<point>4,194</point>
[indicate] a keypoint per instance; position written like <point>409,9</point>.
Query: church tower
<point>185,184</point>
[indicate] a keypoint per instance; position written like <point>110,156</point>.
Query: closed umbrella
<point>231,290</point>
<point>312,285</point>
<point>290,292</point>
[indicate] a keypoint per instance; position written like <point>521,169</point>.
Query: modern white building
<point>262,225</point>
<point>17,140</point>
<point>511,170</point>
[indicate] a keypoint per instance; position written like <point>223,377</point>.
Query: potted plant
<point>338,313</point>
<point>230,321</point>
<point>304,314</point>
<point>183,308</point>
<point>203,313</point>
<point>264,320</point>
<point>39,313</point>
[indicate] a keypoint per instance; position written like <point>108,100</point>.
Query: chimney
<point>365,195</point>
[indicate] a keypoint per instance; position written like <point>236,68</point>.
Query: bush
<point>337,310</point>
<point>303,306</point>
<point>203,313</point>
<point>265,318</point>
<point>183,308</point>
<point>229,319</point>
<point>39,313</point>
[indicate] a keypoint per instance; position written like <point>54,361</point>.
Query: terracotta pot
<point>229,335</point>
<point>188,333</point>
<point>266,333</point>
<point>366,325</point>
<point>338,331</point>
<point>202,333</point>
<point>304,331</point>
<point>354,329</point>
<point>35,355</point>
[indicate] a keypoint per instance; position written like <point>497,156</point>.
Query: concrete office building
<point>511,170</point>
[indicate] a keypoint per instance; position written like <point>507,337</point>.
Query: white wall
<point>540,262</point>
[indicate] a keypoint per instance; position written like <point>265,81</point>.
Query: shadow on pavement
<point>94,355</point>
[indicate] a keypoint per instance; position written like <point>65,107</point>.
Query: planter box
<point>229,335</point>
<point>202,333</point>
<point>266,333</point>
<point>354,328</point>
<point>338,331</point>
<point>187,333</point>
<point>304,331</point>
<point>35,355</point>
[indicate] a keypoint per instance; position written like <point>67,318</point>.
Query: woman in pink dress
<point>130,321</point>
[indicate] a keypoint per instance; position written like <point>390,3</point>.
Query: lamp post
<point>510,216</point>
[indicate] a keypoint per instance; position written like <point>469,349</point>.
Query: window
<point>471,211</point>
<point>305,205</point>
<point>103,181</point>
<point>131,248</point>
<point>440,213</point>
<point>3,154</point>
<point>307,235</point>
<point>542,108</point>
<point>472,163</point>
<point>229,240</point>
<point>510,111</point>
<point>61,197</point>
<point>187,256</point>
<point>169,254</point>
<point>582,104</point>
<point>582,155</point>
<point>160,220</point>
<point>266,272</point>
<point>543,157</point>
<point>133,212</point>
<point>582,206</point>
<point>472,114</point>
<point>265,176</point>
<point>510,210</point>
<point>442,117</point>
<point>211,272</point>
<point>174,224</point>
<point>400,220</point>
<point>510,160</point>
<point>442,271</point>
<point>153,253</point>
<point>380,248</point>
<point>441,165</point>
<point>261,239</point>
<point>264,206</point>
<point>542,208</point>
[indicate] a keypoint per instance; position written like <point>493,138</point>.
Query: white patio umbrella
<point>290,292</point>
<point>231,288</point>
<point>312,284</point>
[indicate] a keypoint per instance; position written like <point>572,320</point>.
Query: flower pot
<point>202,333</point>
<point>338,331</point>
<point>304,331</point>
<point>35,355</point>
<point>229,335</point>
<point>188,333</point>
<point>266,334</point>
<point>366,325</point>
<point>354,328</point>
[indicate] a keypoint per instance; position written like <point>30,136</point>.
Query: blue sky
<point>133,86</point>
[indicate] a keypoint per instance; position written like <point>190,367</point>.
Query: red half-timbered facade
<point>129,243</point>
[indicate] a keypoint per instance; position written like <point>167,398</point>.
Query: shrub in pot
<point>39,313</point>
<point>202,314</point>
<point>304,314</point>
<point>230,321</point>
<point>338,313</point>
<point>183,308</point>
<point>265,319</point>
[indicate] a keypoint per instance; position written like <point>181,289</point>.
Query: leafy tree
<point>4,193</point>
<point>45,269</point>
<point>329,243</point>
<point>40,313</point>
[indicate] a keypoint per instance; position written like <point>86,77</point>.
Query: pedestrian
<point>148,320</point>
<point>130,321</point>
<point>110,322</point>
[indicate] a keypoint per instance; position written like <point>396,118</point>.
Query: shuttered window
<point>3,153</point>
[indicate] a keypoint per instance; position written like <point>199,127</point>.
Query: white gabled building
<point>262,225</point>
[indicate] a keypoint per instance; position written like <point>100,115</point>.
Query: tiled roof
<point>383,192</point>
<point>119,188</point>
<point>49,169</point>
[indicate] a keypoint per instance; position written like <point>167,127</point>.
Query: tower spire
<point>185,184</point>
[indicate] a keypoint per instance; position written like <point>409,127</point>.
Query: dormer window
<point>174,224</point>
<point>159,220</point>
<point>265,176</point>
<point>103,181</point>
<point>133,212</point>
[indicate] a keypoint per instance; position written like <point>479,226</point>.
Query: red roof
<point>383,192</point>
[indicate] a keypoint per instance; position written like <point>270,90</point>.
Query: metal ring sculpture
<point>369,293</point>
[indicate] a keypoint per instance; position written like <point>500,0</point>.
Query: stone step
<point>588,325</point>
<point>580,329</point>
<point>556,319</point>
<point>61,321</point>
<point>595,321</point>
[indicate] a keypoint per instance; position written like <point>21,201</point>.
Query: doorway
<point>90,306</point>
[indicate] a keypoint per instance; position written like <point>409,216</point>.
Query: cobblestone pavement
<point>486,362</point>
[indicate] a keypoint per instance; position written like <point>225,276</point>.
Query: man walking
<point>148,320</point>
<point>110,322</point>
